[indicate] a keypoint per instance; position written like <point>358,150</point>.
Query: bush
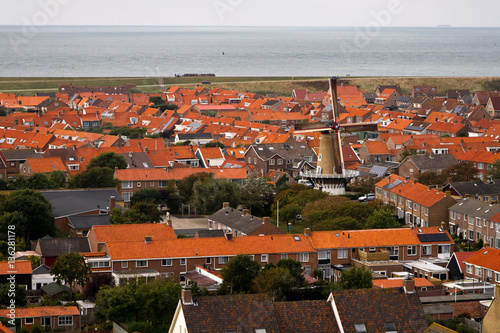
<point>141,326</point>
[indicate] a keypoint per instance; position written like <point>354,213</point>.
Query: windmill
<point>331,175</point>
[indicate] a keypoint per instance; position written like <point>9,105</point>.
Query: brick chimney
<point>186,296</point>
<point>307,231</point>
<point>112,202</point>
<point>266,219</point>
<point>409,286</point>
<point>245,212</point>
<point>225,205</point>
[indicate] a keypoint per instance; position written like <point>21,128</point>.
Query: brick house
<point>484,265</point>
<point>487,192</point>
<point>15,158</point>
<point>493,106</point>
<point>476,220</point>
<point>278,156</point>
<point>418,204</point>
<point>381,250</point>
<point>133,180</point>
<point>58,318</point>
<point>374,151</point>
<point>415,165</point>
<point>482,160</point>
<point>424,90</point>
<point>44,165</point>
<point>142,251</point>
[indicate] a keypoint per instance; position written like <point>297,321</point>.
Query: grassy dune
<point>262,85</point>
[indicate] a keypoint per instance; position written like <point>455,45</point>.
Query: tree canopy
<point>239,274</point>
<point>29,212</point>
<point>356,278</point>
<point>94,178</point>
<point>461,172</point>
<point>208,196</point>
<point>70,268</point>
<point>110,160</point>
<point>155,301</point>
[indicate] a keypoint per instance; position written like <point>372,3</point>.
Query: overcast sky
<point>479,13</point>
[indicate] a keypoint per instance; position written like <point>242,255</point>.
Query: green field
<point>262,85</point>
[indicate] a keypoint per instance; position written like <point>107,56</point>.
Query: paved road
<point>179,222</point>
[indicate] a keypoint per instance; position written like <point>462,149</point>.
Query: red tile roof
<point>487,257</point>
<point>369,238</point>
<point>133,232</point>
<point>398,283</point>
<point>208,247</point>
<point>43,311</point>
<point>46,164</point>
<point>20,267</point>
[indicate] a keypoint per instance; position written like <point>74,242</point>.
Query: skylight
<point>337,234</point>
<point>296,238</point>
<point>360,328</point>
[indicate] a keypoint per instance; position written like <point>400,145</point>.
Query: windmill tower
<point>330,175</point>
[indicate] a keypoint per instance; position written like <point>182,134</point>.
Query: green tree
<point>108,160</point>
<point>94,178</point>
<point>149,211</point>
<point>289,213</point>
<point>255,192</point>
<point>275,281</point>
<point>70,268</point>
<point>214,144</point>
<point>141,212</point>
<point>30,213</point>
<point>431,178</point>
<point>239,273</point>
<point>295,269</point>
<point>6,293</point>
<point>356,278</point>
<point>94,283</point>
<point>3,112</point>
<point>18,182</point>
<point>57,179</point>
<point>209,196</point>
<point>146,195</point>
<point>461,172</point>
<point>382,219</point>
<point>494,170</point>
<point>185,186</point>
<point>154,301</point>
<point>38,182</point>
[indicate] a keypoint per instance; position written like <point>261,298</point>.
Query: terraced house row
<point>148,251</point>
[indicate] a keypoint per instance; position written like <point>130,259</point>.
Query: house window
<point>471,234</point>
<point>182,262</point>
<point>249,160</point>
<point>478,221</point>
<point>127,184</point>
<point>303,257</point>
<point>412,250</point>
<point>444,248</point>
<point>208,260</point>
<point>426,250</point>
<point>426,211</point>
<point>393,252</point>
<point>162,183</point>
<point>280,161</point>
<point>264,258</point>
<point>468,268</point>
<point>138,184</point>
<point>126,196</point>
<point>151,184</point>
<point>497,277</point>
<point>46,321</point>
<point>323,254</point>
<point>29,321</point>
<point>166,262</point>
<point>255,160</point>
<point>342,254</point>
<point>489,275</point>
<point>141,263</point>
<point>124,264</point>
<point>271,162</point>
<point>284,256</point>
<point>65,320</point>
<point>223,260</point>
<point>452,214</point>
<point>409,203</point>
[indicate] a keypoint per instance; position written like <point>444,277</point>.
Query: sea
<point>102,51</point>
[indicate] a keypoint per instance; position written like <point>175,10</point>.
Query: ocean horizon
<point>154,51</point>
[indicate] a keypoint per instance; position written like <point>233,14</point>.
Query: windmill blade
<point>359,127</point>
<point>311,126</point>
<point>333,97</point>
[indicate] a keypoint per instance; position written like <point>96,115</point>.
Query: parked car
<point>305,182</point>
<point>205,82</point>
<point>367,197</point>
